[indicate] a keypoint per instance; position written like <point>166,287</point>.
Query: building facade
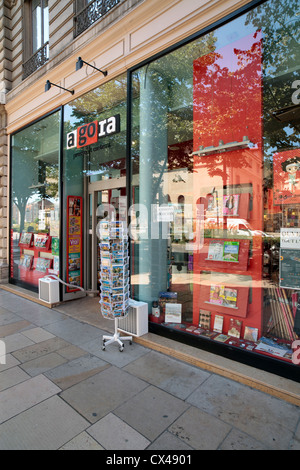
<point>181,118</point>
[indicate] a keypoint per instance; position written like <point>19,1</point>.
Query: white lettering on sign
<point>296,94</point>
<point>88,134</point>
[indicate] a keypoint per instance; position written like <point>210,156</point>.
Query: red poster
<point>287,177</point>
<point>74,242</point>
<point>227,99</point>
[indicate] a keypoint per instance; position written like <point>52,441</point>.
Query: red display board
<point>227,98</point>
<point>74,242</point>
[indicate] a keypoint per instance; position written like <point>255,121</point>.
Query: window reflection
<point>215,142</point>
<point>35,201</point>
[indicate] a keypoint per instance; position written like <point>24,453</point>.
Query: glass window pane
<point>215,157</point>
<point>35,201</point>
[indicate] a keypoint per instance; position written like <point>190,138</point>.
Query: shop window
<point>36,39</point>
<point>34,224</point>
<point>215,125</point>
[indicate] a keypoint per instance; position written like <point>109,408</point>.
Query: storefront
<point>199,149</point>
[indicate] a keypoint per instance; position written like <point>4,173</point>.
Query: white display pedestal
<point>116,338</point>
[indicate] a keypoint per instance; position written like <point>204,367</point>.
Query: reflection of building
<point>145,102</point>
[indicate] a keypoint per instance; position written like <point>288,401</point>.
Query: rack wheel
<point>121,348</point>
<point>103,347</point>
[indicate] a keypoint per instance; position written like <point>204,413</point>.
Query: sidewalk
<point>59,390</point>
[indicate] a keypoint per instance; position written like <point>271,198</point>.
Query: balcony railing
<point>91,13</point>
<point>36,60</point>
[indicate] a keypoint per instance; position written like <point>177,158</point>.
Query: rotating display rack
<point>114,276</point>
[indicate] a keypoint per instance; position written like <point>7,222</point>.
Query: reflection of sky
<point>232,32</point>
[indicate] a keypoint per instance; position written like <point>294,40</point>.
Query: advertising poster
<point>74,242</point>
<point>289,268</point>
<point>287,177</point>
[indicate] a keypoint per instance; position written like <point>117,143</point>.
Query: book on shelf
<point>204,319</point>
<point>251,334</point>
<point>221,338</point>
<point>235,327</point>
<point>166,297</point>
<point>218,324</point>
<point>173,312</point>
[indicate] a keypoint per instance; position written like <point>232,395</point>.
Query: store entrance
<point>107,199</point>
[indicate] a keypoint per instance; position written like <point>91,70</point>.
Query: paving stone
<point>82,442</point>
<point>47,426</point>
<point>40,349</point>
<point>173,376</point>
<point>71,352</point>
<point>112,353</point>
<point>151,411</point>
<point>200,430</point>
<point>11,377</point>
<point>96,396</point>
<point>11,361</point>
<point>25,395</point>
<point>265,418</point>
<point>237,440</point>
<point>39,315</point>
<point>43,363</point>
<point>167,441</point>
<point>113,434</point>
<point>74,331</point>
<point>7,316</point>
<point>38,334</point>
<point>75,371</point>
<point>15,303</point>
<point>12,328</point>
<point>295,442</point>
<point>16,341</point>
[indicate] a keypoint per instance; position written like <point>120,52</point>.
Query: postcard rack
<point>114,276</point>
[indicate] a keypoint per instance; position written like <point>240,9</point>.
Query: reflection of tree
<point>281,31</point>
<point>32,177</point>
<point>227,104</point>
<point>99,104</point>
<point>170,117</point>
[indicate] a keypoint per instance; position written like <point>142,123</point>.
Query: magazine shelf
<point>36,257</point>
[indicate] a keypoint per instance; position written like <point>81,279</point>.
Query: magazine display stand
<point>114,277</point>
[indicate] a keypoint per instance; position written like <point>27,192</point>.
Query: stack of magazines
<point>114,269</point>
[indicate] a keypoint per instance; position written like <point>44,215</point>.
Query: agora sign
<point>88,134</point>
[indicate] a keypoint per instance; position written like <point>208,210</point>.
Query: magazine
<point>43,264</point>
<point>231,204</point>
<point>26,238</point>
<point>223,296</point>
<point>223,251</point>
<point>26,261</point>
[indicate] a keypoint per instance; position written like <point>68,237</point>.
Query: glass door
<point>107,200</point>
